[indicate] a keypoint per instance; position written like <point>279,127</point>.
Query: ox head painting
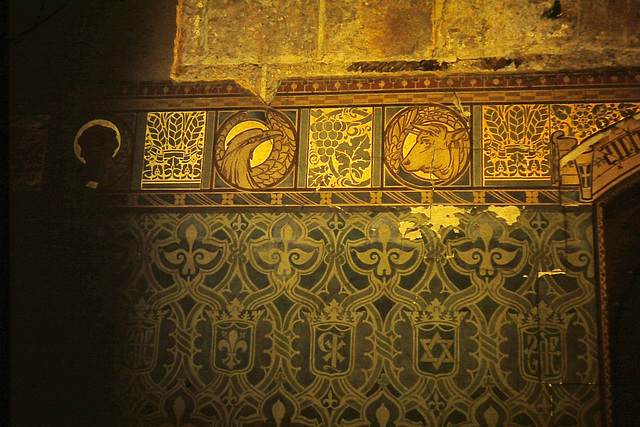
<point>435,150</point>
<point>427,145</point>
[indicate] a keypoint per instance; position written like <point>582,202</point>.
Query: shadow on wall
<point>622,237</point>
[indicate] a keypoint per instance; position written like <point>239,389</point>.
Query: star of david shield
<point>332,349</point>
<point>435,349</point>
<point>141,345</point>
<point>233,344</point>
<point>542,352</point>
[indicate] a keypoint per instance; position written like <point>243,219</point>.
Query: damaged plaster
<point>439,217</point>
<point>409,230</point>
<point>551,273</point>
<point>258,43</point>
<point>510,214</point>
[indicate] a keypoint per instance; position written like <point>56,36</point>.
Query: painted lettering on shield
<point>542,352</point>
<point>542,335</point>
<point>332,353</point>
<point>435,349</point>
<point>142,339</point>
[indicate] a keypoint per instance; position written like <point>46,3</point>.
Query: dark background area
<point>62,313</point>
<point>63,49</point>
<point>621,220</point>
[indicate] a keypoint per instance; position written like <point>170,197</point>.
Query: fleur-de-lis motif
<point>539,223</point>
<point>286,252</point>
<point>193,252</point>
<point>575,254</point>
<point>234,344</point>
<point>383,254</point>
<point>488,253</point>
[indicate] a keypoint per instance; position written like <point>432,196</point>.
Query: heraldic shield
<point>234,336</point>
<point>332,340</point>
<point>542,353</point>
<point>435,349</point>
<point>142,340</point>
<point>332,350</point>
<point>142,332</point>
<point>542,343</point>
<point>435,340</point>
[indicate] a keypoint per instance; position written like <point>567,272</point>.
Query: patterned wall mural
<point>416,258</point>
<point>335,318</point>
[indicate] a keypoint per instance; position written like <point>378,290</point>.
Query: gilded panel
<point>515,143</point>
<point>173,150</point>
<point>255,149</point>
<point>335,318</point>
<point>427,146</point>
<point>340,147</point>
<point>580,121</point>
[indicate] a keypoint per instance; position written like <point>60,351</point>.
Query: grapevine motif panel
<point>340,144</point>
<point>515,142</point>
<point>173,149</point>
<point>427,145</point>
<point>255,149</point>
<point>334,318</point>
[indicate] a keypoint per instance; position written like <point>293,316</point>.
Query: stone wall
<point>258,43</point>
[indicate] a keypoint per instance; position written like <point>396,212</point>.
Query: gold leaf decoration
<point>174,142</point>
<point>516,142</point>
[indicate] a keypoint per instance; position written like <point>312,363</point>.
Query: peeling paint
<point>509,213</point>
<point>551,273</point>
<point>439,217</point>
<point>409,230</point>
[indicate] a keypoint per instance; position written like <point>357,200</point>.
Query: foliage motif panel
<point>580,121</point>
<point>173,149</point>
<point>515,142</point>
<point>334,318</point>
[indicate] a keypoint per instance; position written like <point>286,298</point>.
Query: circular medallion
<point>102,145</point>
<point>255,149</point>
<point>427,145</point>
<point>97,127</point>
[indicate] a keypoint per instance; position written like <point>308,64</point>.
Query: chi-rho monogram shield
<point>332,349</point>
<point>333,331</point>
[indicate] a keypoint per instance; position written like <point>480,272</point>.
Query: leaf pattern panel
<point>173,149</point>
